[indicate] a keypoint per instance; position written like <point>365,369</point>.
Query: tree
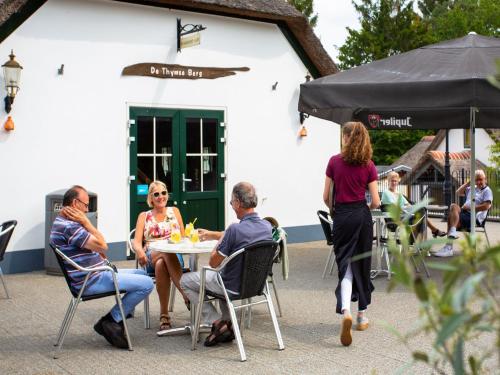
<point>306,7</point>
<point>389,145</point>
<point>455,18</point>
<point>388,27</point>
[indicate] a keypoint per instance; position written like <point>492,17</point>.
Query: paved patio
<point>30,320</point>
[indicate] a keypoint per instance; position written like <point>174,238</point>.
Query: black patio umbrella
<point>440,86</point>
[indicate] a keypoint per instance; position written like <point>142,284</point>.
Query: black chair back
<point>257,263</point>
<point>327,229</point>
<point>479,225</point>
<point>5,238</point>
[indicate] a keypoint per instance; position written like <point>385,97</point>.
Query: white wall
<point>456,144</point>
<point>71,129</point>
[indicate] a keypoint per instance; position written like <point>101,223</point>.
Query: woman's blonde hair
<point>392,175</point>
<point>152,186</point>
<point>357,148</point>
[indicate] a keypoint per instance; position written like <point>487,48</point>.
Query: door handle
<point>184,180</point>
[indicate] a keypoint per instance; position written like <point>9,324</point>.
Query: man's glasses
<point>85,204</point>
<point>157,193</point>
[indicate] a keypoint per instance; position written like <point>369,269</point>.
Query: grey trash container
<point>53,205</point>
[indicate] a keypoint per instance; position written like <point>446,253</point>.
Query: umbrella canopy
<point>440,86</point>
<point>432,87</point>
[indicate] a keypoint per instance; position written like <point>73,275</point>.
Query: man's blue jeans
<point>135,282</point>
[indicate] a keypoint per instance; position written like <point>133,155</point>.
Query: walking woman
<point>352,172</point>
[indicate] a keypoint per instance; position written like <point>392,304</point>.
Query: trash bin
<point>53,205</point>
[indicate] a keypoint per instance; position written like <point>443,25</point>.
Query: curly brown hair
<point>357,148</point>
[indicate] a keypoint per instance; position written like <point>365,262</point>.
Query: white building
<point>79,120</point>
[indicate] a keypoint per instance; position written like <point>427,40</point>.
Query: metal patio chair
<point>77,296</point>
<point>415,227</point>
<point>326,224</point>
<point>257,261</point>
<point>6,230</point>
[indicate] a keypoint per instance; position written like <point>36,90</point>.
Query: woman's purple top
<point>351,181</point>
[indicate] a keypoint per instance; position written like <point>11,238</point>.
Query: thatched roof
<point>458,161</point>
<point>411,157</point>
<point>291,22</point>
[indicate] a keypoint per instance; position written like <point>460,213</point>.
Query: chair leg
<point>249,309</point>
<point>147,318</point>
<point>65,320</point>
<point>270,306</point>
<point>171,299</point>
<point>415,264</point>
<point>236,330</point>
<point>387,262</point>
<point>195,333</point>
<point>66,327</point>
<point>328,261</point>
<point>485,234</point>
<point>5,285</point>
<point>276,296</point>
<point>124,320</point>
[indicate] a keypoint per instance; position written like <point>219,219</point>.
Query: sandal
<point>165,322</point>
<point>219,334</point>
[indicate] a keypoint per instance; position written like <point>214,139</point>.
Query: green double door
<point>185,150</point>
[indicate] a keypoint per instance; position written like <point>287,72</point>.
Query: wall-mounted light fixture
<point>275,85</point>
<point>12,76</point>
<point>60,71</point>
<point>303,116</point>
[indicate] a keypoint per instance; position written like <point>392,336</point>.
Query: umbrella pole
<point>473,111</point>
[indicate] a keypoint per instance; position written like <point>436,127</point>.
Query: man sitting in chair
<point>74,235</point>
<point>250,229</point>
<point>459,217</point>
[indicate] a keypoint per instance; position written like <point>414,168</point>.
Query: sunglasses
<point>157,194</point>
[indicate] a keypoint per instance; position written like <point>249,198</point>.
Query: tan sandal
<point>165,322</point>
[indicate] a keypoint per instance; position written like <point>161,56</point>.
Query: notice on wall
<point>179,71</point>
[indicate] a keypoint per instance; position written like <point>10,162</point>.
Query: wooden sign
<point>179,71</point>
<point>190,40</point>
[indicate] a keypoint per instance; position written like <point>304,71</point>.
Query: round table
<point>193,250</point>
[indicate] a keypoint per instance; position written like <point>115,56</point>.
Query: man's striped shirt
<point>70,237</point>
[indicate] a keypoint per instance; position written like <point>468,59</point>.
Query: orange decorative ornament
<point>303,131</point>
<point>9,124</point>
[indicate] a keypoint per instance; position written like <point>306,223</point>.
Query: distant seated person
<point>392,196</point>
<point>460,218</point>
<point>250,229</point>
<point>160,223</point>
<point>75,236</point>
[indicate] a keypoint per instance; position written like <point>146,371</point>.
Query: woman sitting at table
<point>157,224</point>
<point>392,196</point>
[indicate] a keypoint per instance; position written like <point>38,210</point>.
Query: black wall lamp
<point>185,30</point>
<point>12,76</point>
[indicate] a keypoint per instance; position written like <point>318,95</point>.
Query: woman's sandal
<point>165,322</point>
<point>219,334</point>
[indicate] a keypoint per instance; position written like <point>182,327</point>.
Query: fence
<point>430,185</point>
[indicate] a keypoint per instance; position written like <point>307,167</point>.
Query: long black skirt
<point>353,237</point>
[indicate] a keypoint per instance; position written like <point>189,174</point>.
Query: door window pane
<point>164,170</point>
<point>193,139</point>
<point>145,135</point>
<point>193,172</point>
<point>163,135</point>
<point>209,136</point>
<point>209,173</point>
<point>145,170</point>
